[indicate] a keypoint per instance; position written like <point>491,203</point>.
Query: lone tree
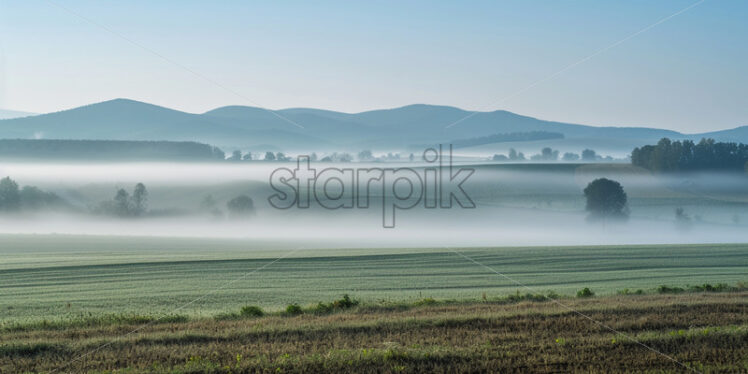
<point>548,154</point>
<point>606,199</point>
<point>122,203</point>
<point>10,197</point>
<point>241,206</point>
<point>589,155</point>
<point>139,199</point>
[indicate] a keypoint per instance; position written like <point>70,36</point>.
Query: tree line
<point>13,198</point>
<point>107,150</point>
<point>135,204</point>
<point>124,204</point>
<point>549,154</point>
<point>685,155</point>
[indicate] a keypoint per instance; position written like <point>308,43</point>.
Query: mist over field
<point>515,204</point>
<point>373,187</point>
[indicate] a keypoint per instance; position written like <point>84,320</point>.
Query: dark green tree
<point>606,199</point>
<point>269,156</point>
<point>122,203</point>
<point>548,154</point>
<point>139,200</point>
<point>589,155</point>
<point>10,198</point>
<point>241,206</point>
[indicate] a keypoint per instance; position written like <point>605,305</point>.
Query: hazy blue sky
<point>689,73</point>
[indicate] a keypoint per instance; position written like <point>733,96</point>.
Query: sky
<point>689,73</point>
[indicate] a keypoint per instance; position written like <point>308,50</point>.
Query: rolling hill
<point>9,114</point>
<point>304,129</point>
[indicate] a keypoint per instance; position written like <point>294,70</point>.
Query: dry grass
<point>708,332</point>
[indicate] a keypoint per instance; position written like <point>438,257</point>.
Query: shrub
<point>665,289</point>
<point>344,303</point>
<point>536,297</point>
<point>322,308</point>
<point>585,292</point>
<point>515,297</point>
<point>252,311</point>
<point>706,287</point>
<point>293,310</point>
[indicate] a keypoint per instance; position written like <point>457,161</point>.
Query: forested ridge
<point>107,150</point>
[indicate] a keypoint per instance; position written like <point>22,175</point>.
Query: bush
<point>585,292</point>
<point>252,311</point>
<point>706,287</point>
<point>665,289</point>
<point>344,303</point>
<point>517,297</point>
<point>293,310</point>
<point>322,308</point>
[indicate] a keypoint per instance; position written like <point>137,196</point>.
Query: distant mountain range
<point>250,128</point>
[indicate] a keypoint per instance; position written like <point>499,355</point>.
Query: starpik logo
<point>436,184</point>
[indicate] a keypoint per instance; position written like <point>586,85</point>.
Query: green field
<point>64,277</point>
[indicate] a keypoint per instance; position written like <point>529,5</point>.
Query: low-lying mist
<point>515,205</point>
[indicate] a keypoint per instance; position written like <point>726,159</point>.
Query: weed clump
<point>666,289</point>
<point>706,287</point>
<point>293,310</point>
<point>585,292</point>
<point>252,311</point>
<point>341,304</point>
<point>538,297</point>
<point>344,303</point>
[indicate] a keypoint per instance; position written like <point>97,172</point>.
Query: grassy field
<point>60,278</point>
<point>689,332</point>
